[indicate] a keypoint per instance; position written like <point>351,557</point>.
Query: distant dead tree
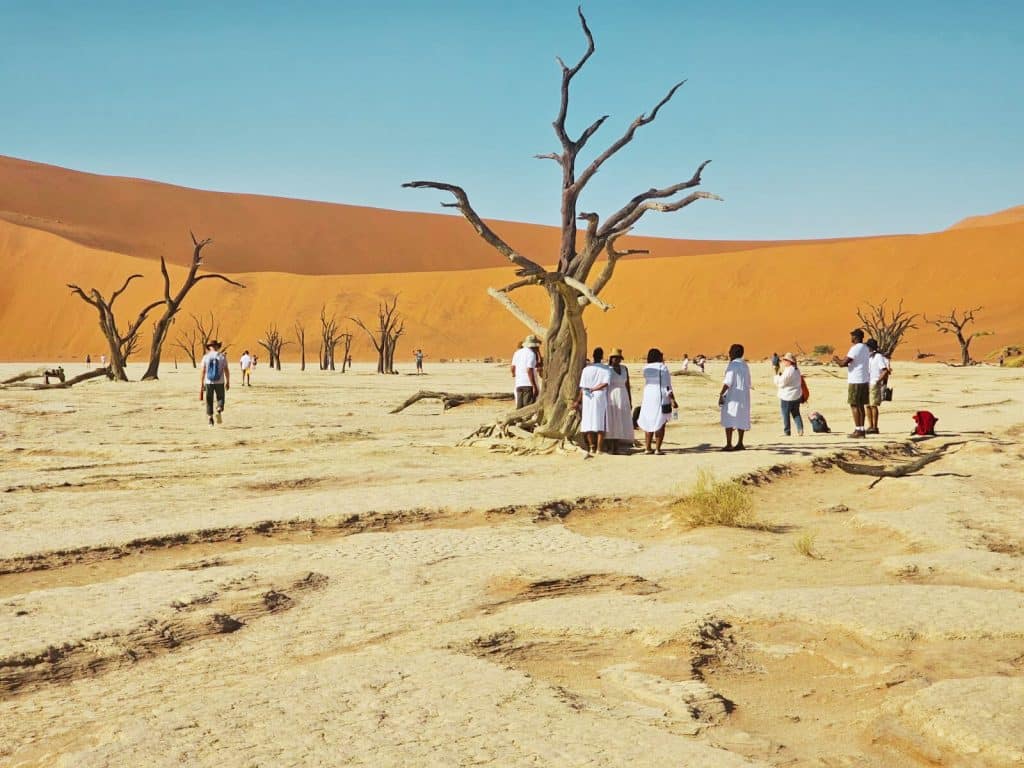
<point>329,339</point>
<point>273,342</point>
<point>173,303</point>
<point>390,327</point>
<point>568,293</point>
<point>300,337</point>
<point>345,338</point>
<point>197,336</point>
<point>956,325</point>
<point>120,344</point>
<point>886,327</point>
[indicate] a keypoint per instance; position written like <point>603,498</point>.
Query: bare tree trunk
<point>956,325</point>
<point>346,341</point>
<point>300,335</point>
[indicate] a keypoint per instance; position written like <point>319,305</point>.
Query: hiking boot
<point>856,433</point>
<point>211,421</point>
<point>873,431</point>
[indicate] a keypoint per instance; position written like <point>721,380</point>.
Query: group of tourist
<point>605,396</point>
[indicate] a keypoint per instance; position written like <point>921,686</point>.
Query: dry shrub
<point>711,502</point>
<point>1014,362</point>
<point>805,546</point>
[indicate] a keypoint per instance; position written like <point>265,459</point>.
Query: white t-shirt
<point>857,370</point>
<point>524,359</point>
<point>246,362</point>
<point>223,366</point>
<point>876,364</point>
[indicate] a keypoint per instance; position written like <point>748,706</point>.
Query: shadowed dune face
<point>769,296</point>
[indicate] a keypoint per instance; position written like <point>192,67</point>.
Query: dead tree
<point>566,286</point>
<point>390,327</point>
<point>173,303</point>
<point>452,399</point>
<point>120,344</point>
<point>300,337</point>
<point>273,342</point>
<point>61,383</point>
<point>956,325</point>
<point>887,328</point>
<point>198,336</point>
<point>329,339</point>
<point>186,341</point>
<point>345,339</point>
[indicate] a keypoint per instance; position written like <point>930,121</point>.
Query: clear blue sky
<point>822,118</point>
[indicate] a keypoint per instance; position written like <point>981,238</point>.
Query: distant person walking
<point>620,404</point>
<point>858,378</point>
<point>246,363</point>
<point>657,403</point>
<point>686,363</point>
<point>878,380</point>
<point>524,372</point>
<point>790,394</point>
<point>215,380</point>
<point>775,363</point>
<point>418,354</point>
<point>734,399</point>
<point>88,361</point>
<point>592,399</point>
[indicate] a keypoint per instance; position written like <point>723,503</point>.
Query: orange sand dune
<point>769,298</point>
<point>256,233</point>
<point>1013,215</point>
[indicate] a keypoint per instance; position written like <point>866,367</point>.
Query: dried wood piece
<point>452,399</point>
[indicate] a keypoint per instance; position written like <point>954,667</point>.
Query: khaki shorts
<point>876,393</point>
<point>857,394</point>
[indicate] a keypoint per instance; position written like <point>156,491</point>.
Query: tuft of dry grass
<point>711,502</point>
<point>805,546</point>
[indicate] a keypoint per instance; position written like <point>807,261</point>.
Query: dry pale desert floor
<point>318,582</point>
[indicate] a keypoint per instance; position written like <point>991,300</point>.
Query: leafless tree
<point>273,342</point>
<point>198,335</point>
<point>345,339</point>
<point>390,327</point>
<point>329,339</point>
<point>957,325</point>
<point>568,292</point>
<point>120,344</point>
<point>173,303</point>
<point>886,326</point>
<point>300,337</point>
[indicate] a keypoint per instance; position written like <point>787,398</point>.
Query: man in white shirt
<point>524,372</point>
<point>857,379</point>
<point>878,370</point>
<point>246,364</point>
<point>214,379</point>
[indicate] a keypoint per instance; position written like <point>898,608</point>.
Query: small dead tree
<point>886,327</point>
<point>197,336</point>
<point>186,341</point>
<point>328,339</point>
<point>120,344</point>
<point>345,338</point>
<point>173,303</point>
<point>568,293</point>
<point>390,327</point>
<point>273,342</point>
<point>957,325</point>
<point>300,337</point>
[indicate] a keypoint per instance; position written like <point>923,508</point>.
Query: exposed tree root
<point>516,434</point>
<point>897,470</point>
<point>452,399</point>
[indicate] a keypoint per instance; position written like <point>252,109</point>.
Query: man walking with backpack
<point>214,379</point>
<point>857,378</point>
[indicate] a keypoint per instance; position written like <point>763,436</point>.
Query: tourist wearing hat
<point>215,379</point>
<point>620,405</point>
<point>790,393</point>
<point>878,379</point>
<point>524,372</point>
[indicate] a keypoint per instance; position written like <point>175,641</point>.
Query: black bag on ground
<point>887,394</point>
<point>818,423</point>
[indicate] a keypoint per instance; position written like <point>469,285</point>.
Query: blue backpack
<point>213,368</point>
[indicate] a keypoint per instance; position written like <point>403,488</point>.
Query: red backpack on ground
<point>805,392</point>
<point>926,421</point>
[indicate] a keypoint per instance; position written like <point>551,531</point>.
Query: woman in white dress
<point>734,399</point>
<point>620,404</point>
<point>593,396</point>
<point>658,401</point>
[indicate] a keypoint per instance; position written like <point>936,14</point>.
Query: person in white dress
<point>657,403</point>
<point>620,404</point>
<point>734,399</point>
<point>593,401</point>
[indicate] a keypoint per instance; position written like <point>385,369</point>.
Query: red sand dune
<point>1013,215</point>
<point>770,297</point>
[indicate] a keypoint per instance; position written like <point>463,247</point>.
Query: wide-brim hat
<point>789,356</point>
<point>213,343</point>
<point>616,352</point>
<point>531,341</point>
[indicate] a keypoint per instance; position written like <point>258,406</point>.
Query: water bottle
<point>675,414</point>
